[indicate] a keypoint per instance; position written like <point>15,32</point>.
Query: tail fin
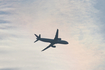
<point>37,37</point>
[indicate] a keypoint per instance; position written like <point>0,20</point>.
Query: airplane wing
<point>56,36</point>
<point>47,47</point>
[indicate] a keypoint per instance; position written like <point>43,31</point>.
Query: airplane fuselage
<point>52,40</point>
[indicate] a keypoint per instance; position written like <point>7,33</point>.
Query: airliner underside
<point>56,40</point>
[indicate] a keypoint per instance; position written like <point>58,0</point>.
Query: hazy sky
<point>80,22</point>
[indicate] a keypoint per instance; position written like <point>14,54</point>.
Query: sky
<point>80,22</point>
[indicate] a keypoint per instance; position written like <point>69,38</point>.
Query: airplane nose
<point>67,43</point>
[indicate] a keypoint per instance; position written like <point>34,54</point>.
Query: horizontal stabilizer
<point>37,37</point>
<point>36,41</point>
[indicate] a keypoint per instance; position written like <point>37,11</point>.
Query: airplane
<point>56,40</point>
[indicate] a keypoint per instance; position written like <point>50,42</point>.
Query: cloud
<point>77,23</point>
<point>9,69</point>
<point>3,12</point>
<point>3,21</point>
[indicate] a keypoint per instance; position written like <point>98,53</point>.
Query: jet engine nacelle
<point>54,46</point>
<point>59,38</point>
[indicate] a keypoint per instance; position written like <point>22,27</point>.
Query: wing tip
<point>42,51</point>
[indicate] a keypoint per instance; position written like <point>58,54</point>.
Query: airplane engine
<point>54,46</point>
<point>59,38</point>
